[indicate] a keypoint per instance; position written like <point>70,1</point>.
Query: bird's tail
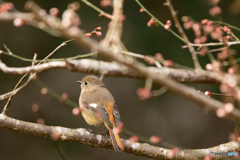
<point>116,141</point>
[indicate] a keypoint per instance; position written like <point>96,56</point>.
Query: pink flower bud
<point>142,10</point>
<point>133,139</point>
<point>209,67</point>
<point>215,11</point>
<point>54,11</point>
<point>98,34</point>
<point>221,112</point>
<point>40,121</point>
<point>88,34</point>
<point>155,139</point>
<point>228,108</point>
<point>76,111</point>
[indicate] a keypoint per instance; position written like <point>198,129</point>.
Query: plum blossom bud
<point>142,10</point>
<point>35,107</point>
<point>208,157</point>
<point>221,112</point>
<point>18,22</point>
<point>74,6</point>
<point>172,152</point>
<point>133,139</point>
<point>168,24</point>
<point>105,3</point>
<point>4,7</point>
<point>64,96</point>
<point>150,22</point>
<point>155,139</point>
<point>54,11</point>
<point>143,93</point>
<point>74,31</point>
<point>168,63</point>
<point>226,29</point>
<point>76,111</point>
<point>41,121</point>
<point>196,26</point>
<point>88,34</point>
<point>232,137</point>
<point>188,24</point>
<point>98,28</point>
<point>228,108</point>
<point>208,28</point>
<point>185,18</point>
<point>55,135</point>
<point>229,37</point>
<point>44,91</point>
<point>231,70</point>
<point>215,11</point>
<point>159,56</point>
<point>203,51</point>
<point>209,67</point>
<point>98,34</point>
<point>116,130</point>
<point>207,93</point>
<point>204,21</point>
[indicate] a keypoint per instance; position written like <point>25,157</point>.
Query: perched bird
<point>98,108</point>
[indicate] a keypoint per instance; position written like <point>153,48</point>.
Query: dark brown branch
<point>116,69</point>
<point>97,140</point>
<point>184,36</point>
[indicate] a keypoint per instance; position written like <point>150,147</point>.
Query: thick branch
<point>10,16</point>
<point>114,32</point>
<point>97,140</point>
<point>116,69</point>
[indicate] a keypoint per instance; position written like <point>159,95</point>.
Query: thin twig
<point>16,90</point>
<point>213,44</point>
<point>217,49</point>
<point>156,62</point>
<point>229,25</point>
<point>157,20</point>
<point>56,143</point>
<point>160,91</point>
<point>184,36</point>
<point>102,13</point>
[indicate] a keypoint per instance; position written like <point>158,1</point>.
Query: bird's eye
<point>86,83</point>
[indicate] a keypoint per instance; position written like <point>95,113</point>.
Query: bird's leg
<point>90,129</point>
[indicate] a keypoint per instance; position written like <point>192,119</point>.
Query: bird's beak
<point>79,82</point>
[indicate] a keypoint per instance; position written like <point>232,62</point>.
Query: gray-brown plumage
<point>98,107</point>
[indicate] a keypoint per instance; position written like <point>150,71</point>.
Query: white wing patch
<point>93,105</point>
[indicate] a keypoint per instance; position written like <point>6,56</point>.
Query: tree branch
<point>116,69</point>
<point>10,16</point>
<point>184,36</point>
<point>97,140</point>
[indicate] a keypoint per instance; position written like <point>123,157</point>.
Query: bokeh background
<point>176,120</point>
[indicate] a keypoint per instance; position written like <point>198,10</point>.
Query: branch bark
<point>118,70</point>
<point>97,140</point>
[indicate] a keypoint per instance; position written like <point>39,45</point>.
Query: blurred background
<point>176,120</point>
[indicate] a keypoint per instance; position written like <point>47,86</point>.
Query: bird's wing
<point>116,115</point>
<point>98,110</point>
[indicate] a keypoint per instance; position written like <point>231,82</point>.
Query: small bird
<point>98,108</point>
